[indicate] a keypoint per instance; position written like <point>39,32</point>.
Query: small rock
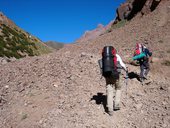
<point>139,94</point>
<point>55,85</point>
<point>4,61</point>
<point>162,88</point>
<point>41,122</point>
<point>13,59</point>
<point>6,86</point>
<point>138,106</point>
<point>83,54</point>
<point>168,89</point>
<point>164,126</point>
<point>163,103</point>
<point>25,104</point>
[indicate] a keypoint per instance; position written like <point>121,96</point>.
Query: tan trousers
<point>110,84</point>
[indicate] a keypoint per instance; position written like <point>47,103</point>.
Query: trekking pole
<point>101,66</point>
<point>126,81</point>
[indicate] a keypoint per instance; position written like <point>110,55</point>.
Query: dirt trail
<point>53,92</point>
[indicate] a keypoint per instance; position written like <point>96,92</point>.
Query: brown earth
<point>64,89</point>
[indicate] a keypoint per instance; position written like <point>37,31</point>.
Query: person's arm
<point>121,62</point>
<point>149,54</point>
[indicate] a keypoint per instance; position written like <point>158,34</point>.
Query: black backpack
<point>109,67</point>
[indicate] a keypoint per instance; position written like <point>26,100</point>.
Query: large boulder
<point>129,9</point>
<point>123,11</point>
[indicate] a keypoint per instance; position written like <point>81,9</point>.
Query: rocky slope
<point>90,35</point>
<point>130,8</point>
<point>126,12</point>
<point>15,42</point>
<point>55,45</point>
<point>64,89</point>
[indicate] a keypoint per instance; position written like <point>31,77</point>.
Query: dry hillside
<point>17,43</point>
<point>64,89</point>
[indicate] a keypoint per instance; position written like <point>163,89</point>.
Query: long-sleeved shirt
<point>121,62</point>
<point>145,60</point>
<point>147,52</point>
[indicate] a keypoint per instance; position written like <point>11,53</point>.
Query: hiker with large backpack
<point>111,69</point>
<point>143,56</point>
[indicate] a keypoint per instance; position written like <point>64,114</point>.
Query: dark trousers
<point>144,69</point>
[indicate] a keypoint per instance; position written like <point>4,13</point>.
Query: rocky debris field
<point>55,91</point>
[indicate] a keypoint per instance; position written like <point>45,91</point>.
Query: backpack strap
<point>114,58</point>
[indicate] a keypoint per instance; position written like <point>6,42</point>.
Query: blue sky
<point>59,20</point>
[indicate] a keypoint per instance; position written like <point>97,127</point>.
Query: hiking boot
<point>142,79</point>
<point>148,81</point>
<point>116,108</point>
<point>110,113</point>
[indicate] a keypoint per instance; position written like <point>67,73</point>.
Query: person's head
<point>143,45</point>
<point>145,42</point>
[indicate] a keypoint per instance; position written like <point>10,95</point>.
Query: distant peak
<point>100,26</point>
<point>1,13</point>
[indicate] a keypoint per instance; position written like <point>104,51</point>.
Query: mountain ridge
<point>125,12</point>
<point>15,42</point>
<point>55,45</point>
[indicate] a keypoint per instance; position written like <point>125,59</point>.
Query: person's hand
<point>150,60</point>
<point>130,60</point>
<point>126,69</point>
